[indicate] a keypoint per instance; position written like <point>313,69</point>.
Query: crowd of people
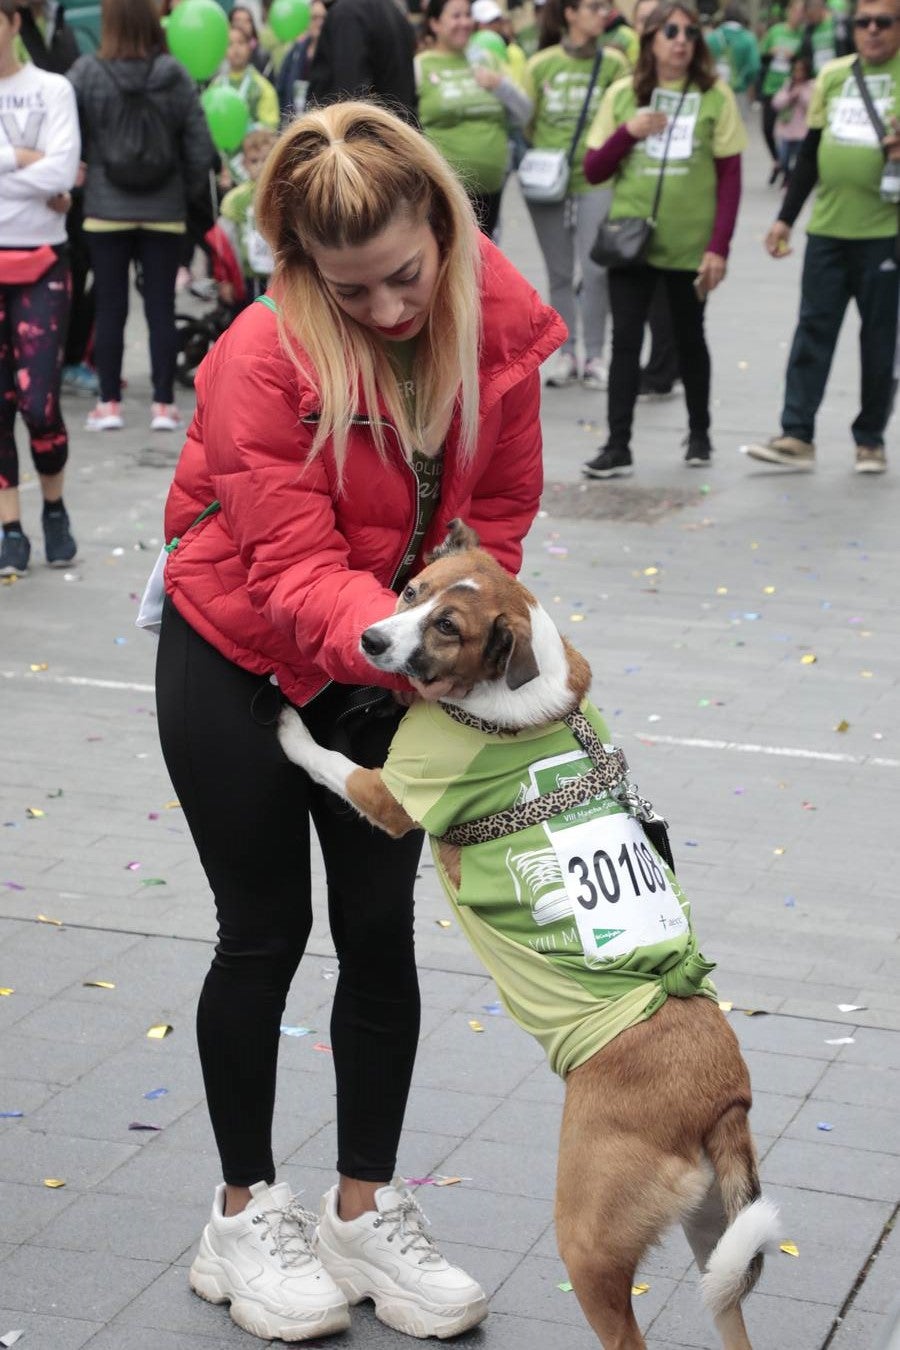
<point>381,374</point>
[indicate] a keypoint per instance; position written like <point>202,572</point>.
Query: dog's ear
<point>459,539</point>
<point>511,653</point>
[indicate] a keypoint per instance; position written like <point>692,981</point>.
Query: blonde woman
<point>387,383</point>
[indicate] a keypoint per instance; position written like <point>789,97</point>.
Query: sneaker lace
<point>291,1230</point>
<point>405,1220</point>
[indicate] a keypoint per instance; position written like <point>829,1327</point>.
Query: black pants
<point>836,271</point>
<point>81,319</point>
<point>769,121</point>
<point>631,291</point>
<point>661,370</point>
<point>249,811</point>
<point>111,255</point>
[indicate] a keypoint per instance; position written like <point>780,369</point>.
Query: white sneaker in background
<point>561,371</point>
<point>388,1257</point>
<point>105,417</point>
<point>262,1262</point>
<point>595,374</point>
<point>165,417</point>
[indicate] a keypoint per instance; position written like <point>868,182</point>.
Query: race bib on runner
<point>681,145</point>
<point>848,120</point>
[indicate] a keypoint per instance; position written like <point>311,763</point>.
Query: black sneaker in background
<point>699,450</point>
<point>15,551</point>
<point>611,461</point>
<point>59,546</point>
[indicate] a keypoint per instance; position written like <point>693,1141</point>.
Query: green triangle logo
<point>604,935</point>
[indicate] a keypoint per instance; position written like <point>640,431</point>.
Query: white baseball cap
<point>486,11</point>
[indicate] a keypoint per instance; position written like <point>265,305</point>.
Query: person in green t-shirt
<point>852,245</point>
<point>465,94</point>
<point>777,49</point>
<point>735,52</point>
<point>558,79</point>
<point>673,118</point>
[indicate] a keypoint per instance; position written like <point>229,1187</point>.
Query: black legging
<point>249,809</point>
<point>631,290</point>
<point>158,253</point>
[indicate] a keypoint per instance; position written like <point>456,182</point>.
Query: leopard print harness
<point>609,774</point>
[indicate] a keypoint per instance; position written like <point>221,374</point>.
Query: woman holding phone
<point>673,118</point>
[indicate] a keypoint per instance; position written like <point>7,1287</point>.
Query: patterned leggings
<point>33,322</point>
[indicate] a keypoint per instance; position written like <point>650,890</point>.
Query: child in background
<point>242,76</point>
<point>237,224</point>
<point>792,103</point>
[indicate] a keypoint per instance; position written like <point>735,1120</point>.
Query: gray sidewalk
<point>697,598</point>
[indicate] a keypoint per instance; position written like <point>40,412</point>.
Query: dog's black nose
<point>374,643</point>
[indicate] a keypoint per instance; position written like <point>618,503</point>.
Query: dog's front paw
<point>294,739</point>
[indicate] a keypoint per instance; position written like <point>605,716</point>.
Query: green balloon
<point>197,34</point>
<point>227,116</point>
<point>289,19</point>
<point>486,38</point>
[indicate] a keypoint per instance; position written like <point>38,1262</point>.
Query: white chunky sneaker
<point>388,1257</point>
<point>263,1264</point>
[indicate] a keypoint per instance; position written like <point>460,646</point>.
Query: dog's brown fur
<point>655,1124</point>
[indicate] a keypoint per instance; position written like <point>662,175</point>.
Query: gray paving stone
<point>852,1126</point>
<point>26,1155</point>
<point>533,1292</point>
<point>832,1168</point>
<point>776,1321</point>
<point>881,1288</point>
<point>78,1284</point>
<point>858,1331</point>
<point>54,1333</point>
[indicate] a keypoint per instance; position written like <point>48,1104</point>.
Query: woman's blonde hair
<point>338,177</point>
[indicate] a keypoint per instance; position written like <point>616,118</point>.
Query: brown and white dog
<point>655,1126</point>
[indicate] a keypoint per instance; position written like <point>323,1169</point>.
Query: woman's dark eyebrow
<point>404,267</point>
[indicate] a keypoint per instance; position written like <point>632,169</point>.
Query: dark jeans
<point>836,271</point>
<point>661,370</point>
<point>249,812</point>
<point>631,291</point>
<point>112,253</point>
<point>769,121</point>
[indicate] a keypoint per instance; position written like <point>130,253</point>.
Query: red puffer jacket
<point>288,574</point>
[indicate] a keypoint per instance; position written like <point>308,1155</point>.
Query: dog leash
<point>609,774</point>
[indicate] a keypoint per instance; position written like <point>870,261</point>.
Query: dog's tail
<point>735,1263</point>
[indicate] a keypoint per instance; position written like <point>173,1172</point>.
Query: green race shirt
<point>558,84</point>
<point>465,122</point>
<point>544,940</point>
<point>782,42</point>
<point>823,41</point>
<point>709,127</point>
<point>736,55</point>
<point>848,203</point>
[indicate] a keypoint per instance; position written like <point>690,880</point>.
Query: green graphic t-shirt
<point>735,54</point>
<point>708,128</point>
<point>782,43</point>
<point>823,41</point>
<point>465,122</point>
<point>558,84</point>
<point>578,920</point>
<point>848,202</point>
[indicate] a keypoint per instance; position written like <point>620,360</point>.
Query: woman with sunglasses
<point>558,78</point>
<point>674,117</point>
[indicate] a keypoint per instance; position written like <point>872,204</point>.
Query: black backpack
<point>137,149</point>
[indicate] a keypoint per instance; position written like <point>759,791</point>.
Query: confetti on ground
<point>808,806</point>
<point>45,918</point>
<point>97,984</point>
<point>443,923</point>
<point>450,1181</point>
<point>158,1032</point>
<point>755,1012</point>
<point>14,885</point>
<point>843,725</point>
<point>138,1125</point>
<point>11,1337</point>
<point>132,866</point>
<point>152,881</point>
<point>725,1005</point>
<point>651,571</point>
<point>419,1181</point>
<point>851,1007</point>
<point>493,1009</point>
<point>638,1289</point>
<point>808,659</point>
<point>768,590</point>
<point>564,1286</point>
<point>789,1248</point>
<point>39,665</point>
<point>34,813</point>
<point>6,991</point>
<point>790,902</point>
<point>55,792</point>
<point>297,1031</point>
<point>823,1125</point>
<point>325,1049</point>
<point>154,1093</point>
<point>11,1115</point>
<point>866,674</point>
<point>474,1025</point>
<point>172,806</point>
<point>842,1040</point>
<point>54,1183</point>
